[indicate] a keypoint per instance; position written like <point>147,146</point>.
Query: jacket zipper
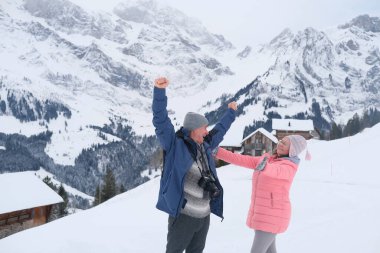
<point>182,189</point>
<point>271,199</point>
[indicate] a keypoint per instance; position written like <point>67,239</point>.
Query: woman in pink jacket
<point>270,209</point>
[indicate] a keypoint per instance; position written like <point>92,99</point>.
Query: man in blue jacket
<point>189,187</point>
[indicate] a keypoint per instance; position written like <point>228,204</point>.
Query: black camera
<point>207,183</point>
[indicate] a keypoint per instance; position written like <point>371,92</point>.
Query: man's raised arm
<point>217,133</point>
<point>163,126</point>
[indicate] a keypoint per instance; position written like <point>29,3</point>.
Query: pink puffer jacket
<point>270,206</point>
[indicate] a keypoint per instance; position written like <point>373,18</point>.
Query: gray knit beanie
<point>194,120</point>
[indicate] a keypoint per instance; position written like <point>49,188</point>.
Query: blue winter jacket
<point>178,159</point>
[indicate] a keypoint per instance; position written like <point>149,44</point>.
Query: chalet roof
<point>292,124</point>
<point>264,132</point>
<point>23,190</point>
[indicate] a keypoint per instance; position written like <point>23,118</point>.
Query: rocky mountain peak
<point>365,22</point>
<point>284,38</point>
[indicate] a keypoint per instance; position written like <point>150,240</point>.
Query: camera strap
<point>202,158</point>
<point>193,152</point>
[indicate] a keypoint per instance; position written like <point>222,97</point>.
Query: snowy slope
<point>333,200</point>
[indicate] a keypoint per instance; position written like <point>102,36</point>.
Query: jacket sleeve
<point>280,170</point>
<point>163,126</point>
<point>246,161</point>
<point>220,129</point>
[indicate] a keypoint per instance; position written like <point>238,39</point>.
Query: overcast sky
<point>258,21</point>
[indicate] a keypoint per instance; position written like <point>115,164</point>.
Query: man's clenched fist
<point>233,105</point>
<point>161,83</point>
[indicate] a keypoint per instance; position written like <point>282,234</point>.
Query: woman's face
<point>283,146</point>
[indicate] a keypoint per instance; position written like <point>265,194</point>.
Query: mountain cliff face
<point>142,34</point>
<point>336,71</point>
<point>76,82</point>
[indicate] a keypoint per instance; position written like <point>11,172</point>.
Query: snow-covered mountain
<point>334,196</point>
<point>62,51</point>
<point>336,72</point>
<point>76,81</point>
<point>85,75</point>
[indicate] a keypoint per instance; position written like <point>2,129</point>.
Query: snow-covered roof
<point>292,124</point>
<point>23,190</point>
<point>264,132</point>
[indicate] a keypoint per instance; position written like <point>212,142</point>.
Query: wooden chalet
<point>259,142</point>
<point>26,202</point>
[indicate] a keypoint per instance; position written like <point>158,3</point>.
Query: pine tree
<point>374,116</point>
<point>365,120</point>
<point>63,206</point>
<point>356,124</point>
<point>109,188</point>
<point>121,188</point>
<point>97,199</point>
<point>58,210</point>
<point>352,127</point>
<point>336,131</point>
<point>47,180</point>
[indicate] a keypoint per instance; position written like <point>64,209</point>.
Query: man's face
<point>198,134</point>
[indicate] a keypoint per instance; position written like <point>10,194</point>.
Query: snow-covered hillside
<point>334,201</point>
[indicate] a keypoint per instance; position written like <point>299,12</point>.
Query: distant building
<point>259,142</point>
<point>284,127</point>
<point>25,202</point>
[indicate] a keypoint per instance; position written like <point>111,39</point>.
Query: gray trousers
<point>185,232</point>
<point>264,242</point>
